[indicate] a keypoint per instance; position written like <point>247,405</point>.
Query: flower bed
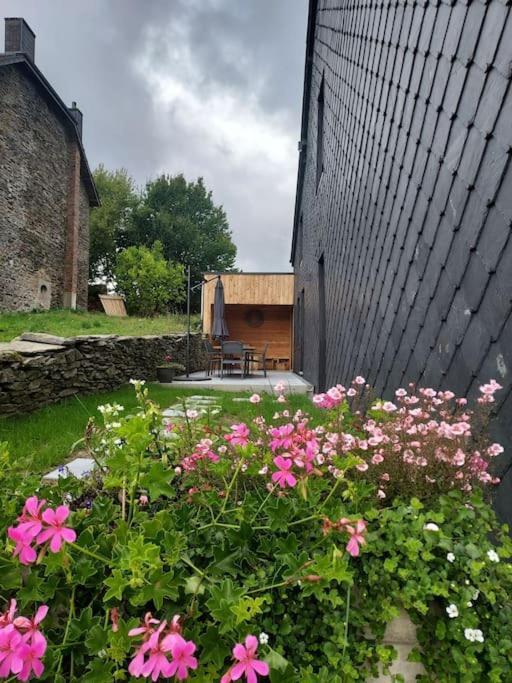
<point>278,550</point>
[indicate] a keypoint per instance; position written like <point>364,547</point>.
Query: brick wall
<point>413,209</point>
<point>34,167</point>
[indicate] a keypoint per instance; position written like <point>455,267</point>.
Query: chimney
<point>19,37</point>
<point>78,117</point>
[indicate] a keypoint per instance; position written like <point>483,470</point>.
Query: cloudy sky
<point>203,87</point>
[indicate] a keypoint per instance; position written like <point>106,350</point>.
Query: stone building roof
<point>21,60</point>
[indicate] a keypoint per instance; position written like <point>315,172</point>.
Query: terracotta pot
<point>401,634</point>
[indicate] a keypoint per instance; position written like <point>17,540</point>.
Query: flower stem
<point>272,585</point>
<point>262,504</point>
<point>90,553</point>
<point>196,569</point>
<point>229,489</point>
<point>331,492</point>
<point>305,519</point>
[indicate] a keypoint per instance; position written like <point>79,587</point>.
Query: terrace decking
<point>254,383</point>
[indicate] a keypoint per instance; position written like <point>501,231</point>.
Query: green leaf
<point>96,640</point>
<point>117,584</point>
<point>276,661</point>
<point>157,481</point>
<point>247,608</point>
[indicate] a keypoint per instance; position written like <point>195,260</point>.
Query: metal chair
<point>233,356</point>
<point>213,356</point>
<point>259,357</point>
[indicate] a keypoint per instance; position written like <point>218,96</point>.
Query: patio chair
<point>213,357</point>
<point>233,356</point>
<point>259,357</point>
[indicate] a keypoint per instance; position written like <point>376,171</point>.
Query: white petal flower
<point>476,594</point>
<point>263,638</point>
<point>452,611</point>
<point>450,557</point>
<point>479,636</point>
<point>493,556</point>
<point>431,527</point>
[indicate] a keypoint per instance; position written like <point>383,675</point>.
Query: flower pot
<point>401,634</point>
<point>165,375</point>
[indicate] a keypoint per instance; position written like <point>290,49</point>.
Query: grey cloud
<point>91,52</point>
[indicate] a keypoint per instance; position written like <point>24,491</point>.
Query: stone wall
<point>34,173</point>
<point>39,369</point>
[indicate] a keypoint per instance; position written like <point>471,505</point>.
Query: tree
<point>149,283</point>
<point>109,221</point>
<point>182,216</point>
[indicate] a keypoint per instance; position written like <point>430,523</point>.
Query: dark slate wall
<point>413,210</point>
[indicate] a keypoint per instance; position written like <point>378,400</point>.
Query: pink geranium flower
<point>30,627</point>
<point>247,664</point>
<point>31,521</point>
<point>31,653</point>
<point>10,660</point>
<point>157,663</point>
<point>55,531</point>
<point>283,476</point>
<point>239,435</point>
<point>23,549</point>
<point>181,652</point>
<point>356,537</point>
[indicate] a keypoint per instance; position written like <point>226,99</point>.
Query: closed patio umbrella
<point>220,328</point>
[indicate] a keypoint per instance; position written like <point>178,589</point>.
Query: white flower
<point>192,414</point>
<point>263,638</point>
<point>493,556</point>
<point>469,604</point>
<point>255,398</point>
<point>476,594</point>
<point>452,611</point>
<point>450,557</point>
<point>431,527</point>
<point>474,634</point>
<point>138,382</point>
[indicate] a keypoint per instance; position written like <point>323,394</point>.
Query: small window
<point>320,134</point>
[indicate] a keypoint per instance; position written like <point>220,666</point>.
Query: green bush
<point>271,529</point>
<point>149,284</point>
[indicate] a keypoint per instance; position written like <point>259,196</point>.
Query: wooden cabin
<point>258,309</point>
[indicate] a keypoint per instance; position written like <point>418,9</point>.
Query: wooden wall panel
<point>247,288</point>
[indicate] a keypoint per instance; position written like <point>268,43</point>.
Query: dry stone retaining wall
<point>39,369</point>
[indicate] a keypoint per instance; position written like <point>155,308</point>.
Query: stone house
<point>46,186</point>
<point>402,246</point>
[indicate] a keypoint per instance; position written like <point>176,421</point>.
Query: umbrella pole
<point>188,321</point>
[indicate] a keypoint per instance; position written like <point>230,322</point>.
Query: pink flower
<point>10,660</point>
<point>239,435</point>
<point>31,626</point>
<point>388,407</point>
<point>377,459</point>
<point>283,476</point>
<point>23,549</point>
<point>247,665</point>
<point>8,616</point>
<point>255,398</point>
<point>147,627</point>
<point>356,537</point>
<point>281,398</point>
<point>362,466</point>
<point>157,663</point>
<point>359,380</point>
<point>143,500</point>
<point>31,654</point>
<point>495,449</point>
<point>55,530</point>
<point>31,517</point>
<point>181,652</point>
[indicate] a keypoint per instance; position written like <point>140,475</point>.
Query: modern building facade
<point>401,248</point>
<point>46,187</point>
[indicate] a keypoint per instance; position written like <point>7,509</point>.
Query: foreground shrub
<point>216,551</point>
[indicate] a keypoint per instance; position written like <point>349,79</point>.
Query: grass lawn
<point>67,323</point>
<point>42,440</point>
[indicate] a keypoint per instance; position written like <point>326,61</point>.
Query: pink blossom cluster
<point>37,525</point>
<point>246,663</point>
<point>163,651</point>
<point>239,435</point>
<point>426,438</point>
<point>356,531</point>
<point>202,451</point>
<point>295,447</point>
<point>22,645</point>
<point>338,394</point>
